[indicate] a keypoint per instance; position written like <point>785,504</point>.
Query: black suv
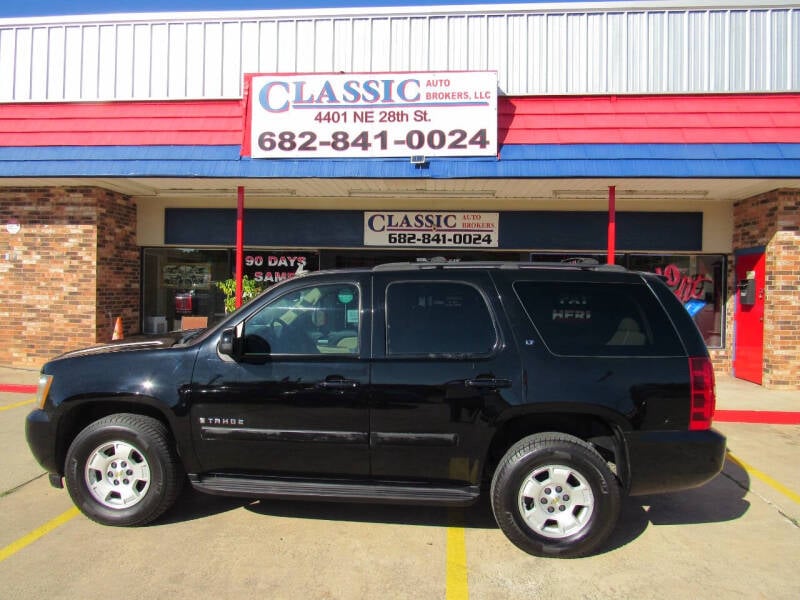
<point>554,388</point>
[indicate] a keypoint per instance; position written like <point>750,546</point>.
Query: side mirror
<point>226,343</point>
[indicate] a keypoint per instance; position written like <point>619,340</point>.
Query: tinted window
<point>597,319</point>
<point>437,318</point>
<point>314,320</point>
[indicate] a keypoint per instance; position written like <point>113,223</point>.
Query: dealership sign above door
<point>431,229</point>
<point>373,115</point>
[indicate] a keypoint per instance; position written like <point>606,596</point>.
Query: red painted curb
<point>769,417</point>
<point>15,388</point>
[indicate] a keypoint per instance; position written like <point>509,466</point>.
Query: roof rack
<point>584,264</point>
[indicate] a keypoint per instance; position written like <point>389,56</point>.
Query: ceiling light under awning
<point>420,193</point>
<point>631,194</point>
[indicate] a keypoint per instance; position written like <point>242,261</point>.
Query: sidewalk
<point>732,394</point>
<point>13,376</point>
<point>737,394</point>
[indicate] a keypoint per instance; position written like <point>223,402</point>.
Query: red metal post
<point>239,243</point>
<point>612,223</point>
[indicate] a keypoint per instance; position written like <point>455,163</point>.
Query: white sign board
<point>431,229</point>
<point>372,115</point>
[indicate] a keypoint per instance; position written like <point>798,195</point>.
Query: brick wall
<point>71,262</point>
<point>772,220</point>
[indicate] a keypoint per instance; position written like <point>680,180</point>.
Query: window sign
<point>431,229</point>
<point>365,115</point>
<point>270,267</point>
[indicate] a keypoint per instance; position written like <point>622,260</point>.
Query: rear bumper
<point>41,435</point>
<point>669,461</point>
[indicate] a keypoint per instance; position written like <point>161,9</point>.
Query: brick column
<point>118,264</point>
<point>67,266</point>
<point>772,220</point>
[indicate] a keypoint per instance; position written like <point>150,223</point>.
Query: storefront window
<point>179,283</point>
<point>699,283</point>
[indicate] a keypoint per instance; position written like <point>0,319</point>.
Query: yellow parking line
<point>765,478</point>
<point>17,404</point>
<point>457,588</point>
<point>34,535</point>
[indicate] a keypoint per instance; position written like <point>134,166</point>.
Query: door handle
<point>339,384</point>
<point>487,383</point>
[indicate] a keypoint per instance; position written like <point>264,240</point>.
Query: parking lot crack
<point>20,486</point>
<point>780,511</point>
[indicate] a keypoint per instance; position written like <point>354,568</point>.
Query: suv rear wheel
<point>553,495</point>
<point>123,470</point>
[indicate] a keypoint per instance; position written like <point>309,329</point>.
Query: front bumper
<point>669,461</point>
<point>40,432</point>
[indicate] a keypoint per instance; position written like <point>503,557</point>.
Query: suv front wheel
<point>553,495</point>
<point>123,470</point>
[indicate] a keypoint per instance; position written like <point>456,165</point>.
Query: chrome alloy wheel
<point>117,474</point>
<point>556,501</point>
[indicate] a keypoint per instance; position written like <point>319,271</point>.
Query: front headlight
<point>43,389</point>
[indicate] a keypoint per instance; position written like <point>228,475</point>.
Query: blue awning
<point>523,161</point>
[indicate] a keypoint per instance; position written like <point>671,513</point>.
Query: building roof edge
<point>400,11</point>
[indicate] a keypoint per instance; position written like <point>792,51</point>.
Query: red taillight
<point>704,398</point>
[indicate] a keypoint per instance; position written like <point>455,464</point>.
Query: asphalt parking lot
<point>736,537</point>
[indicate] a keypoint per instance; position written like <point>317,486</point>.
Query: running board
<point>326,490</point>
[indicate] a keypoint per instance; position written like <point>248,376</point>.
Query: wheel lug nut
<point>126,482</point>
<point>113,465</point>
<point>116,482</point>
<point>566,497</point>
<point>550,509</point>
<point>558,488</point>
<point>129,472</point>
<point>562,508</point>
<point>543,500</point>
<point>110,474</point>
<point>548,491</point>
<point>124,464</point>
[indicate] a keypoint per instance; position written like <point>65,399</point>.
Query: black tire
<point>123,470</point>
<point>554,496</point>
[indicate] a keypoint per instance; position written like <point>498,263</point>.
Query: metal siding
<point>759,38</point>
<point>418,44</point>
<point>381,45</point>
<point>323,49</point>
<point>636,40</point>
<point>717,50</point>
<point>361,58</point>
<point>231,59</point>
<point>22,73</point>
<point>737,49</point>
<point>536,49</point>
<point>697,45</point>
<point>779,44</point>
<point>39,62</point>
<point>55,63</point>
<point>793,48</point>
